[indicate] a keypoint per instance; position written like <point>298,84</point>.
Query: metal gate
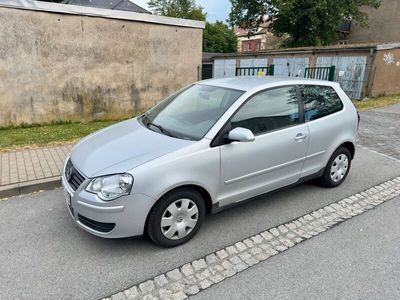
<point>224,68</point>
<point>321,73</point>
<point>350,72</point>
<point>290,66</point>
<point>206,71</point>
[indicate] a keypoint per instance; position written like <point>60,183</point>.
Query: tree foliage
<point>306,22</point>
<point>185,9</point>
<point>218,37</point>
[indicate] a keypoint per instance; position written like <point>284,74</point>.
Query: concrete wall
<point>383,27</point>
<point>74,67</point>
<point>386,72</point>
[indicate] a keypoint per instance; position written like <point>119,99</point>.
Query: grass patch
<point>377,102</point>
<point>12,137</point>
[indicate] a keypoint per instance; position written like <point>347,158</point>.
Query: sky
<point>216,9</point>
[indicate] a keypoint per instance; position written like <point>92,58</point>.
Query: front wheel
<point>176,218</point>
<point>337,168</point>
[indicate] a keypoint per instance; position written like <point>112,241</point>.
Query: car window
<point>269,110</point>
<point>191,113</point>
<point>319,101</point>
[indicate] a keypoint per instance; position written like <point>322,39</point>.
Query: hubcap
<point>339,167</point>
<point>179,219</point>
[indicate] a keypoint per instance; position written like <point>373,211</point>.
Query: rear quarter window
<point>319,101</point>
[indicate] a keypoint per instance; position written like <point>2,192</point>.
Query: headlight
<point>111,187</point>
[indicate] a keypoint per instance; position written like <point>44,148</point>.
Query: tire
<point>331,178</point>
<point>176,217</point>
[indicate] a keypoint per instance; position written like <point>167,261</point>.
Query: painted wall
<point>386,72</point>
<point>383,25</point>
<point>72,67</point>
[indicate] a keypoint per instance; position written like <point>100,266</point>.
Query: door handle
<point>300,137</point>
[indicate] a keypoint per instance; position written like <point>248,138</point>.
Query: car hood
<point>121,147</point>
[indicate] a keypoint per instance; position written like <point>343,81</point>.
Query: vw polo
<point>211,145</point>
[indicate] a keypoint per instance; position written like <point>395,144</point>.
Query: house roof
<point>125,5</point>
<point>263,28</point>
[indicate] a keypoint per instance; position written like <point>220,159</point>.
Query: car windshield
<point>191,113</point>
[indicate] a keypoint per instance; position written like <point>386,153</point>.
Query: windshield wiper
<point>159,127</point>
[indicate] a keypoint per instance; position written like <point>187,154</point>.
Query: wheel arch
<point>349,146</point>
<point>203,192</point>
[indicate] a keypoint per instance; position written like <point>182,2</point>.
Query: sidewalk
<point>25,171</point>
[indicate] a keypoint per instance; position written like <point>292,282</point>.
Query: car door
<point>276,156</point>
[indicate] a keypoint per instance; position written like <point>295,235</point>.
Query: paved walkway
<point>32,164</point>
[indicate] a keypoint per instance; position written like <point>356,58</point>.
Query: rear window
<point>319,101</point>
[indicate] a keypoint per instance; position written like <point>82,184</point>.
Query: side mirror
<point>240,134</point>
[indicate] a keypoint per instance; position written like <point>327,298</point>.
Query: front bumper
<point>122,217</point>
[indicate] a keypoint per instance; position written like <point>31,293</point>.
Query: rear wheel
<point>337,168</point>
<point>176,217</point>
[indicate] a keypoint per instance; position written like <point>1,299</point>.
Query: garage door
<point>224,68</point>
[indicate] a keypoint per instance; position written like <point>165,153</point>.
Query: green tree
<point>306,22</point>
<point>185,9</point>
<point>218,37</point>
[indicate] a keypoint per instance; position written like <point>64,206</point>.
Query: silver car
<point>211,145</point>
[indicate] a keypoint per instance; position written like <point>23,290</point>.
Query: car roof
<point>248,83</point>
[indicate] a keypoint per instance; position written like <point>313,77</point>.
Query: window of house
<point>319,101</point>
<point>269,110</point>
<point>246,46</point>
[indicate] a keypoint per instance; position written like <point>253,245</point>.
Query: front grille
<point>98,226</point>
<point>74,178</point>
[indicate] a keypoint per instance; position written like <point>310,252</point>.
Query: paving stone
<point>262,256</point>
<point>274,231</point>
<point>146,287</point>
<point>235,260</point>
<point>187,270</point>
<point>179,296</point>
<point>229,272</point>
<point>192,290</point>
<point>174,274</point>
<point>164,293</point>
<point>217,278</point>
<point>222,254</point>
<point>205,284</point>
<point>161,280</point>
<point>248,243</point>
<point>199,264</point>
<point>255,250</point>
<point>231,250</point>
<point>291,226</point>
<point>282,229</point>
<point>227,265</point>
<point>257,239</point>
<point>211,259</point>
<point>131,293</point>
<point>251,261</point>
<point>176,286</point>
<point>119,296</point>
<point>240,246</point>
<point>244,255</point>
<point>240,267</point>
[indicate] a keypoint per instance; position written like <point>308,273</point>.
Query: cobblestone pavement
<point>32,164</point>
<point>380,130</point>
<point>200,274</point>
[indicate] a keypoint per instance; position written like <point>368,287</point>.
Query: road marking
<point>379,153</point>
<point>200,274</point>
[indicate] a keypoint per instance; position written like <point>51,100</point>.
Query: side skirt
<point>216,208</point>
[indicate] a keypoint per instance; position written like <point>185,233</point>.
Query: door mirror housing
<point>240,134</point>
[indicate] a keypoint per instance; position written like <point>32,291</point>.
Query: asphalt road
<point>45,256</point>
<point>359,259</point>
